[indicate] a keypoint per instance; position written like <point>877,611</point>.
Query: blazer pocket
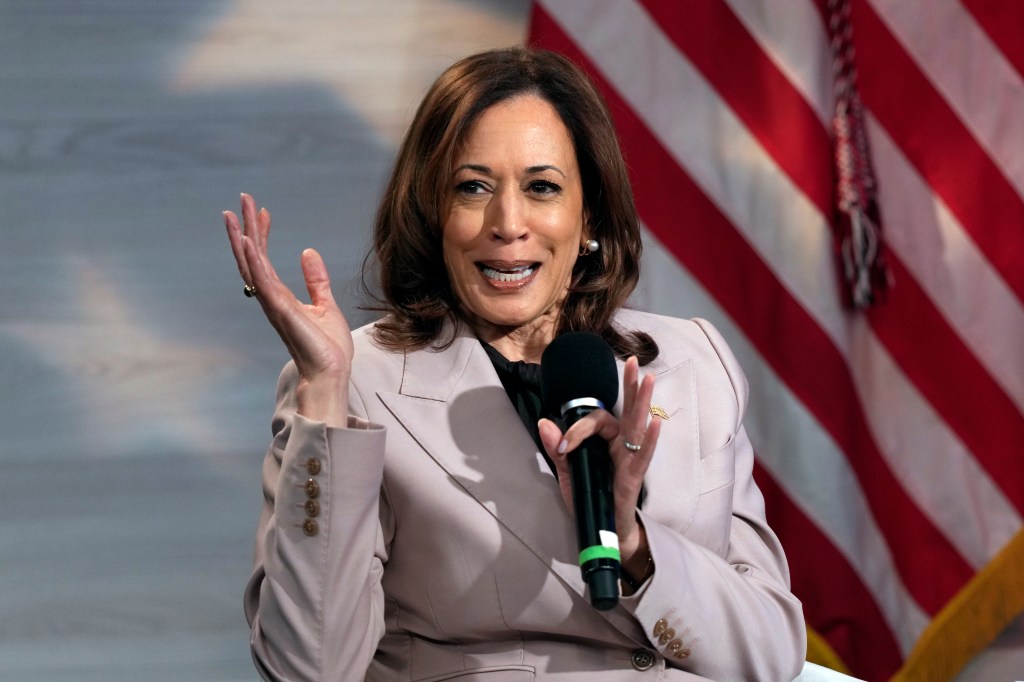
<point>712,522</point>
<point>498,673</point>
<point>718,469</point>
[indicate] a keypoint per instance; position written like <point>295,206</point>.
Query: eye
<point>470,187</point>
<point>544,187</point>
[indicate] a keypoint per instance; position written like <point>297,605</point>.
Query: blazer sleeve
<point>314,601</point>
<point>724,615</point>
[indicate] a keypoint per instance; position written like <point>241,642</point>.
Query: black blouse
<point>522,384</point>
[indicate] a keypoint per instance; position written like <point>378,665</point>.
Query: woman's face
<point>515,222</point>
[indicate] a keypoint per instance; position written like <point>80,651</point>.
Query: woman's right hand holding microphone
<point>316,333</point>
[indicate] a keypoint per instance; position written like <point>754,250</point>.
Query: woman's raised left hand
<point>629,466</point>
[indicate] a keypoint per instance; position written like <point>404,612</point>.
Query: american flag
<point>889,439</point>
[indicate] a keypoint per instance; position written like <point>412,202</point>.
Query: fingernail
<point>563,445</point>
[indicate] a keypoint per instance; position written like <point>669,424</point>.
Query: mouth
<point>505,274</point>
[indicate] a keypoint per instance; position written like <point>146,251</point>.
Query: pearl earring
<point>589,247</point>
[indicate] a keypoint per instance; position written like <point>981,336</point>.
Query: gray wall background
<point>137,381</point>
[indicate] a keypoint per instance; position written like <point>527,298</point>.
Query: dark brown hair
<point>413,283</point>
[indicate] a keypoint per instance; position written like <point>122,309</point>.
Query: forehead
<point>524,124</point>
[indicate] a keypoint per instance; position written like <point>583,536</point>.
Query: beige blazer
<point>437,545</point>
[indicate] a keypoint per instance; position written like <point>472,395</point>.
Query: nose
<point>506,215</point>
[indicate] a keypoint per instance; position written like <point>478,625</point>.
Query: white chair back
<point>812,672</point>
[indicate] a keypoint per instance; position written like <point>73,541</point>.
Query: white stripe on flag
<point>795,40</point>
<point>970,73</point>
<point>927,458</point>
<point>946,262</point>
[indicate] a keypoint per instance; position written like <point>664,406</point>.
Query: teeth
<point>514,275</point>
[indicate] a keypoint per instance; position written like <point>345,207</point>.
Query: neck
<point>526,342</point>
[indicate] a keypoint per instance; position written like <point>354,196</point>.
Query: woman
<point>413,529</point>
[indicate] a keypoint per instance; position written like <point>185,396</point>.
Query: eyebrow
<point>532,170</point>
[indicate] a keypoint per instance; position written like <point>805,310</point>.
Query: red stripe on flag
<point>721,48</point>
<point>835,599</point>
<point>939,146</point>
<point>1003,21</point>
<point>786,335</point>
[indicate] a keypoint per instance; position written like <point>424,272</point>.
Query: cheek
<point>570,248</point>
<point>456,264</point>
<point>567,270</point>
<point>458,233</point>
<point>451,265</point>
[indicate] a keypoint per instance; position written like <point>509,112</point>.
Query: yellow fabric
<point>969,623</point>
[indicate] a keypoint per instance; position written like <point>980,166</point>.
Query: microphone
<point>578,376</point>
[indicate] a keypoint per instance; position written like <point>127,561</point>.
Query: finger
<point>256,227</point>
<point>636,415</point>
<point>263,234</point>
<point>278,303</point>
<point>282,308</point>
<point>636,463</point>
<point>253,224</point>
<point>235,240</point>
<point>248,215</point>
<point>630,469</point>
<point>550,437</point>
<point>318,283</point>
<point>629,374</point>
<point>599,422</point>
<point>250,230</point>
<point>273,295</point>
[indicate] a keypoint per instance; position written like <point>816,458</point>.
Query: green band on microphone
<point>598,552</point>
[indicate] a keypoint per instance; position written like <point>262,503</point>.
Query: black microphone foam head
<point>578,365</point>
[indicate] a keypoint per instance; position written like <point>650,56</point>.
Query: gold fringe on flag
<point>971,620</point>
<point>968,623</point>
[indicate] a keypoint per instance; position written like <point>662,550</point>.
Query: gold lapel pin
<point>658,411</point>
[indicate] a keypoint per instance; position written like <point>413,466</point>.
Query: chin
<point>508,322</point>
<point>514,320</point>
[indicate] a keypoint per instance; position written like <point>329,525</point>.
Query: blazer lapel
<point>452,402</point>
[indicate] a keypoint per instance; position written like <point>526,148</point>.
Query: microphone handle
<point>591,478</point>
